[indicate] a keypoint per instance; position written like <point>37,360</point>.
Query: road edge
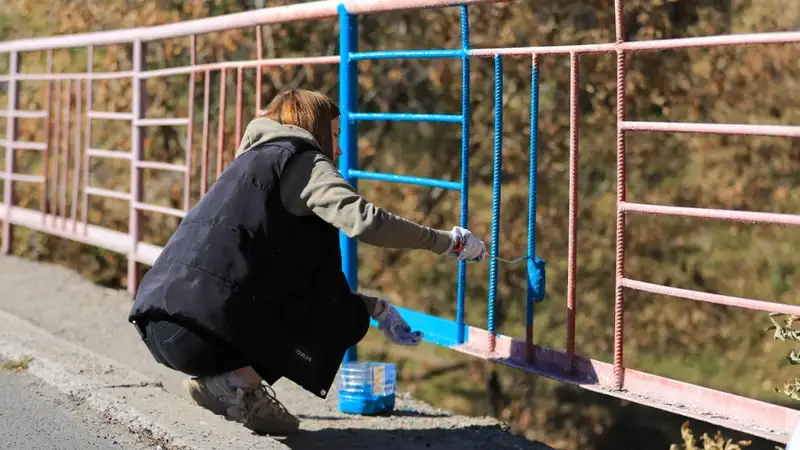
<point>115,392</point>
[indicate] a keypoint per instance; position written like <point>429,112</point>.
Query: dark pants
<point>180,348</point>
<point>326,328</point>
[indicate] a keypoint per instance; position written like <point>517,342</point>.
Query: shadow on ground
<point>475,437</point>
<point>399,413</point>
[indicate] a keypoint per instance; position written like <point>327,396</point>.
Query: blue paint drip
<point>406,117</point>
<point>496,185</point>
<point>535,266</point>
<point>465,129</point>
<point>419,181</point>
<point>348,89</point>
<point>407,54</point>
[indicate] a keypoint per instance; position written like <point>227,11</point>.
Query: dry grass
<point>15,365</point>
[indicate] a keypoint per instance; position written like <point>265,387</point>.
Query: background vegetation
<point>709,345</point>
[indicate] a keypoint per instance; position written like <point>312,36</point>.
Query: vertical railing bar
<point>206,106</point>
<point>223,81</point>
<point>76,171</point>
<point>465,131</point>
<point>619,299</point>
<point>187,180</point>
<point>533,173</point>
<point>572,243</point>
<point>348,89</point>
<point>56,152</point>
<point>259,69</point>
<point>137,151</point>
<point>65,163</point>
<point>87,141</point>
<point>496,187</point>
<point>11,129</point>
<point>47,135</point>
<point>239,93</point>
<point>63,157</point>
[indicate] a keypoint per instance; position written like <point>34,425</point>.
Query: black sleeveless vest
<point>266,282</point>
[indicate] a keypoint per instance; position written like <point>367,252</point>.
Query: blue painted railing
<point>437,330</point>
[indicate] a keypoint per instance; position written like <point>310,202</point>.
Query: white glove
<point>466,246</point>
<point>394,327</point>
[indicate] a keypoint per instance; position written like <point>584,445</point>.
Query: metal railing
<point>59,217</point>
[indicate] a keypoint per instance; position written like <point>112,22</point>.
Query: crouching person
<point>250,288</point>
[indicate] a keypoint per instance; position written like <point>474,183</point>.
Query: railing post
<point>619,298</point>
<point>11,128</point>
<point>465,129</point>
<point>348,140</point>
<point>572,246</point>
<point>137,153</point>
<point>497,162</point>
<point>535,266</point>
<point>87,141</point>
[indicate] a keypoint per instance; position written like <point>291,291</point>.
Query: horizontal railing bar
<point>721,408</point>
<point>728,300</point>
<point>722,128</point>
<point>446,118</point>
<point>543,50</point>
<point>310,60</point>
<point>23,114</point>
<point>160,166</point>
<point>406,179</point>
<point>161,209</point>
<point>114,154</point>
<point>23,177</point>
<point>707,213</point>
<point>783,37</point>
<point>788,37</point>
<point>66,76</point>
<point>107,115</point>
<point>275,15</point>
<point>23,145</point>
<point>108,193</point>
<point>166,121</point>
<point>407,54</point>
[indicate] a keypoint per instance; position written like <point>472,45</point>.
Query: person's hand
<point>393,326</point>
<point>466,246</point>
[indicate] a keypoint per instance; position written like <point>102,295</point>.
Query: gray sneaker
<point>258,410</point>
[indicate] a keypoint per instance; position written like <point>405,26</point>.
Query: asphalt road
<point>36,417</point>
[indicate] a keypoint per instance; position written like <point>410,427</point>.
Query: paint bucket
<point>367,388</point>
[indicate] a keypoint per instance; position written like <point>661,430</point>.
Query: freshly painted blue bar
<point>533,155</point>
<point>407,54</point>
<point>348,142</point>
<point>465,115</point>
<point>536,266</point>
<point>496,185</point>
<point>419,181</point>
<point>436,330</point>
<point>407,117</point>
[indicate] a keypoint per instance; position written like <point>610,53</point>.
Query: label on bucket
<point>378,380</point>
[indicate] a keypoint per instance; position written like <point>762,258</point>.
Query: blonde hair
<point>310,110</point>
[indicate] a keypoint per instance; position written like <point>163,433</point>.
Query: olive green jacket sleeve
<point>311,184</point>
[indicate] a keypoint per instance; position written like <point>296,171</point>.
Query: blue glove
<point>393,326</point>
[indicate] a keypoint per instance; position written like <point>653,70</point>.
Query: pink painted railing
<point>64,206</point>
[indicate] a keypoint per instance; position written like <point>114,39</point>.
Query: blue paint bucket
<point>367,388</point>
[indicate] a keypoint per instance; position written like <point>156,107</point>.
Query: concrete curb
<point>120,394</point>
